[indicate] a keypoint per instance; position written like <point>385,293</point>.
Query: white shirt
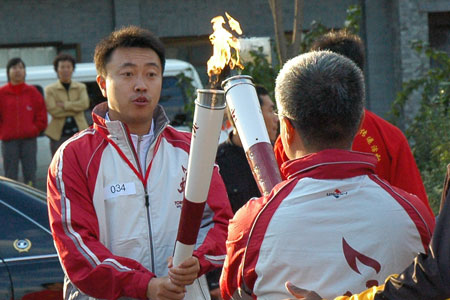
<point>141,144</point>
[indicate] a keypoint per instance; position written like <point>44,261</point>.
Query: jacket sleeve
<point>40,118</point>
<point>211,253</point>
<point>79,104</point>
<point>90,266</point>
<point>53,109</point>
<point>404,171</point>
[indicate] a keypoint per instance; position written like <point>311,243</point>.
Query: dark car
<point>29,265</point>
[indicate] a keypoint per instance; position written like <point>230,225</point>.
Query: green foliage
<point>354,16</point>
<point>264,73</point>
<point>429,131</point>
<point>317,30</point>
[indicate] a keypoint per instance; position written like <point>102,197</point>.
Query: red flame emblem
<point>351,255</point>
<point>194,128</point>
<point>233,115</point>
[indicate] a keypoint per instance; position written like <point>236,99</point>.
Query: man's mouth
<point>141,100</point>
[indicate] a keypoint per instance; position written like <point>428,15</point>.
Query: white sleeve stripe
<point>66,212</point>
<point>211,257</point>
<point>115,263</point>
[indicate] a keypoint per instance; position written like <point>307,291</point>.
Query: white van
<point>173,98</point>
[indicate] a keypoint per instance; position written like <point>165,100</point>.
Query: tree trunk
<point>285,50</point>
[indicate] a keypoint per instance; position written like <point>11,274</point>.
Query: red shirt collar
<point>330,164</point>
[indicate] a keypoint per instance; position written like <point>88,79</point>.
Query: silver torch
<point>246,112</point>
<point>209,108</point>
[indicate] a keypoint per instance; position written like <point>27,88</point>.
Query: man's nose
<point>140,84</point>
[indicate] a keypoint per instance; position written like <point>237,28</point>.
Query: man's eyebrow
<point>149,64</point>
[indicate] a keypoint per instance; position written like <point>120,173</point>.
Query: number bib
<point>120,189</point>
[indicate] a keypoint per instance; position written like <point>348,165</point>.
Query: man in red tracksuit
<point>22,118</point>
<point>115,190</point>
<point>396,163</point>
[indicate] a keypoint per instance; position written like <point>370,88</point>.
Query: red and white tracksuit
<point>115,225</point>
<point>333,227</point>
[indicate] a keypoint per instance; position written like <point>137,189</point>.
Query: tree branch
<point>294,48</point>
<point>275,7</point>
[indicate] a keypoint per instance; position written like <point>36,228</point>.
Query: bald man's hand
<point>300,293</point>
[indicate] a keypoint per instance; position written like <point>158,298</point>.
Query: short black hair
<point>322,95</point>
<point>344,43</point>
<point>261,91</point>
<point>63,57</point>
<point>127,37</point>
<point>12,62</point>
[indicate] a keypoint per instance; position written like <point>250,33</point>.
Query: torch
<point>246,112</point>
<point>208,115</point>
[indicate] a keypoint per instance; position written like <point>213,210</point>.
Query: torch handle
<point>264,167</point>
<point>208,115</point>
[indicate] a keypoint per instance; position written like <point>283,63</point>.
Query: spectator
<point>66,102</point>
<point>115,190</point>
<point>22,118</point>
<point>333,220</point>
<point>396,163</point>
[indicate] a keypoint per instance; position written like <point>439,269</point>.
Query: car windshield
<point>26,189</point>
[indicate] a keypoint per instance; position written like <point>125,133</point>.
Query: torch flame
<point>223,42</point>
<point>234,25</point>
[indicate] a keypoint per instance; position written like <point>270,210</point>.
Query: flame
<point>223,42</point>
<point>234,25</point>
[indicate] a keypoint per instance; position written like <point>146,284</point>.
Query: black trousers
<point>54,144</point>
<point>23,151</point>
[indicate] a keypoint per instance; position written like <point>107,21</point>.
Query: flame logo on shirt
<point>351,255</point>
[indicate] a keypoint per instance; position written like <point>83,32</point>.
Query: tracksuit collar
<point>330,164</point>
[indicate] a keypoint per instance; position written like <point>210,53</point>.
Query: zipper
<point>147,208</point>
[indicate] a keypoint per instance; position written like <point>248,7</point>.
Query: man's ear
<point>362,120</point>
<point>289,130</point>
<point>102,84</point>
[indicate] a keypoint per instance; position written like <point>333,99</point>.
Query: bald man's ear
<point>288,129</point>
<point>102,84</point>
<point>362,120</point>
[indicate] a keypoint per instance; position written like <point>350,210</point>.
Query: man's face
<point>270,118</point>
<point>64,71</point>
<point>133,86</point>
<point>17,74</point>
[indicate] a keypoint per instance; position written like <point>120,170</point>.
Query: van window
<point>173,99</point>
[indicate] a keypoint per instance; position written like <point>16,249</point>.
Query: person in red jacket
<point>22,118</point>
<point>396,163</point>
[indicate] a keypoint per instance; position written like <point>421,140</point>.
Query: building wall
<point>380,39</point>
<point>390,25</point>
<point>69,21</point>
<point>413,24</point>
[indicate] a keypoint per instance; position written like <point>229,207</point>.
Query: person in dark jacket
<point>22,118</point>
